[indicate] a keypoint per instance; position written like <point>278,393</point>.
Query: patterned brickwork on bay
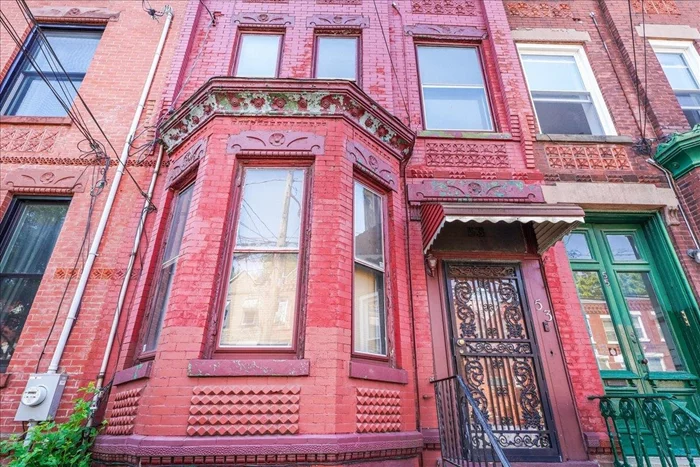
<point>121,420</point>
<point>378,410</point>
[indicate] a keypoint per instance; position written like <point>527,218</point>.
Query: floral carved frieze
<point>466,154</point>
<point>263,19</point>
<point>44,180</point>
<point>444,7</point>
<point>442,30</point>
<point>338,21</point>
<point>472,190</point>
<point>370,164</point>
<point>13,139</point>
<point>244,410</point>
<point>533,9</point>
<point>287,98</point>
<point>378,410</point>
<point>587,157</point>
<point>276,143</point>
<point>121,419</point>
<point>186,161</point>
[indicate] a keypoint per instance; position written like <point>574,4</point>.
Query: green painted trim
<point>675,376</point>
<point>618,374</point>
<point>681,153</point>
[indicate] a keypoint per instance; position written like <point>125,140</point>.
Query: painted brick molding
<point>63,179</point>
<point>121,420</point>
<point>466,154</point>
<point>244,410</point>
<point>248,367</point>
<point>445,31</point>
<point>82,14</point>
<point>372,165</point>
<point>182,164</point>
<point>444,7</point>
<point>514,191</point>
<point>275,143</point>
<point>18,139</point>
<point>534,9</point>
<point>587,157</point>
<point>378,410</point>
<point>338,21</point>
<point>263,20</point>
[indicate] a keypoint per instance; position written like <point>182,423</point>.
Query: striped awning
<point>550,222</point>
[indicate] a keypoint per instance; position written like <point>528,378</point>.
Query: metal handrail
<point>466,438</point>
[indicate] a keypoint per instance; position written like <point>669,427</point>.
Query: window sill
<point>36,120</point>
<point>585,138</point>
<point>248,367</point>
<point>374,372</point>
<point>140,371</point>
<point>451,134</point>
<point>4,378</point>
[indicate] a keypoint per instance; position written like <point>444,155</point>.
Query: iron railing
<point>466,439</point>
<point>650,429</point>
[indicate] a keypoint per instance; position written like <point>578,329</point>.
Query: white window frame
<point>608,318</point>
<point>584,68</point>
<point>685,48</point>
<point>637,316</point>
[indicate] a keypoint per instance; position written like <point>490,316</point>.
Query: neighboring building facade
<point>366,198</point>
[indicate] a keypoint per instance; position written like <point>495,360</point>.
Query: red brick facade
<point>194,402</point>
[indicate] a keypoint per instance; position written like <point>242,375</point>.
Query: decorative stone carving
<point>442,30</point>
<point>276,143</point>
<point>371,164</point>
<point>378,410</point>
<point>472,190</point>
<point>444,7</point>
<point>263,19</point>
<point>586,157</point>
<point>244,410</point>
<point>121,419</point>
<point>466,154</point>
<point>338,21</point>
<point>672,215</point>
<point>186,161</point>
<point>661,7</point>
<point>225,96</point>
<point>18,139</point>
<point>533,9</point>
<point>84,13</point>
<point>54,180</point>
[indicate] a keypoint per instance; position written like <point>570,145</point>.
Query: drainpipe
<point>99,232</point>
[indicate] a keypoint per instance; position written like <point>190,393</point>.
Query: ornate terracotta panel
<point>20,139</point>
<point>338,21</point>
<point>587,157</point>
<point>534,9</point>
<point>466,154</point>
<point>187,160</point>
<point>275,142</point>
<point>263,19</point>
<point>44,180</point>
<point>443,30</point>
<point>444,7</point>
<point>372,165</point>
<point>513,191</point>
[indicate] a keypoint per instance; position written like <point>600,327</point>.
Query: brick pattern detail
<point>444,7</point>
<point>339,2</point>
<point>71,161</point>
<point>539,9</point>
<point>660,7</point>
<point>263,19</point>
<point>27,140</point>
<point>244,410</point>
<point>466,154</point>
<point>587,157</point>
<point>121,421</point>
<point>378,410</point>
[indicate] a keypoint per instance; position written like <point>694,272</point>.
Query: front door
<point>496,354</point>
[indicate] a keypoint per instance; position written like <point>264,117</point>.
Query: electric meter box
<point>41,397</point>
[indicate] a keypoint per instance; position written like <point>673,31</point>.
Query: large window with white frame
<point>564,90</point>
<point>681,64</point>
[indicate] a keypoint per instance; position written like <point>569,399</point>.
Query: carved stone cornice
<point>371,164</point>
<point>503,191</point>
<point>276,143</point>
<point>263,20</point>
<point>443,31</point>
<point>242,97</point>
<point>338,21</point>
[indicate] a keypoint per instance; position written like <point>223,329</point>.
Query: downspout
<point>99,232</point>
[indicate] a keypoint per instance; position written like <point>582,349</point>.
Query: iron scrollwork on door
<point>497,355</point>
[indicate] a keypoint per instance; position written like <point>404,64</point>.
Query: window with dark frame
<point>166,273</point>
<point>336,57</point>
<point>369,313</point>
<point>258,55</point>
<point>263,282</point>
<point>453,89</point>
<point>28,235</point>
<point>25,93</point>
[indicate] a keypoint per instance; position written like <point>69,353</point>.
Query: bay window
<point>369,313</point>
<point>262,292</point>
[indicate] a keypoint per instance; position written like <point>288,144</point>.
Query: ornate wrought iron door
<point>496,354</point>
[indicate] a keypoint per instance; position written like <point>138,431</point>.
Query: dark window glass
<point>164,282</point>
<point>29,233</point>
<point>258,55</point>
<point>577,246</point>
<point>27,94</point>
<point>336,58</point>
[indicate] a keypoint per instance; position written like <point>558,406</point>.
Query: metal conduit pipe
<point>99,232</point>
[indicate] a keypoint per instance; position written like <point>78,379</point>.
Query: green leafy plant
<point>55,444</point>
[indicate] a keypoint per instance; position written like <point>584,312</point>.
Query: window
<point>609,328</point>
<point>258,55</point>
<point>336,57</point>
<point>369,316</point>
<point>639,328</point>
<point>171,252</point>
<point>681,64</point>
<point>564,91</point>
<point>265,263</point>
<point>25,93</point>
<point>27,237</point>
<point>453,89</point>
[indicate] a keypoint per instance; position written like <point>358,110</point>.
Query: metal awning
<point>550,222</point>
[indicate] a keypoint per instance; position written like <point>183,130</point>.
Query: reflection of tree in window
<point>588,285</point>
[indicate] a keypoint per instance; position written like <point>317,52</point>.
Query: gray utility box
<point>41,397</point>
